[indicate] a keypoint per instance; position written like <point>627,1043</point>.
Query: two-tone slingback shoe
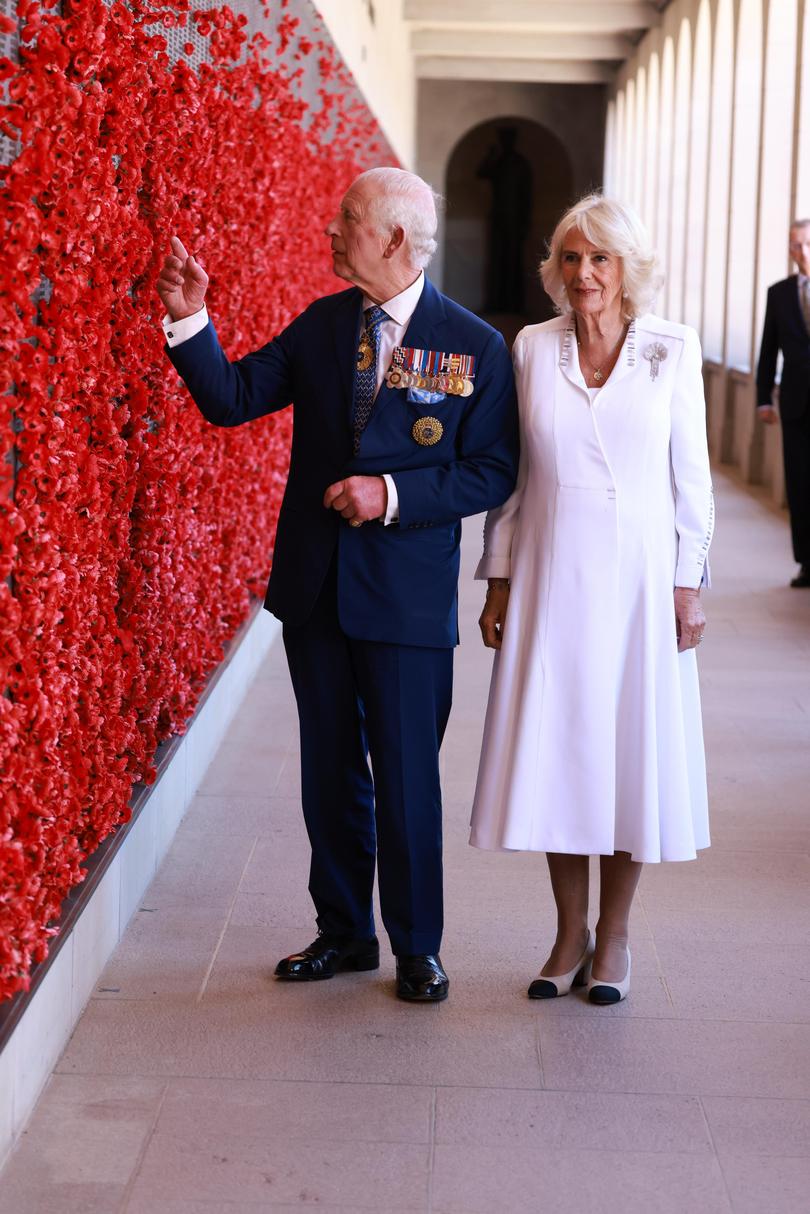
<point>552,987</point>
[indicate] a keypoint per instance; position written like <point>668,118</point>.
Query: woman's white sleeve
<point>501,522</point>
<point>691,475</point>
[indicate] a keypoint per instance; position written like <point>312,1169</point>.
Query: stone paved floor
<point>195,1083</point>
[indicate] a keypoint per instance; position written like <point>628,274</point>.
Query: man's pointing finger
<point>178,248</point>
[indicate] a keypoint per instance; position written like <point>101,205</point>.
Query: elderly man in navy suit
<point>787,328</point>
<point>404,422</point>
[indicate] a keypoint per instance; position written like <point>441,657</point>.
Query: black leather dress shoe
<point>421,979</point>
<point>327,956</point>
<point>802,578</point>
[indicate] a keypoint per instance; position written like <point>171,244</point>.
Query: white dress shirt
<point>400,309</point>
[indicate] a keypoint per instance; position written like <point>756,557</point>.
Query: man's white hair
<point>399,199</point>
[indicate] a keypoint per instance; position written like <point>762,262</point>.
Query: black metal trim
<point>96,865</point>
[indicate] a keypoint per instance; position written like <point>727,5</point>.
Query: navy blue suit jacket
<point>396,584</point>
<point>784,329</point>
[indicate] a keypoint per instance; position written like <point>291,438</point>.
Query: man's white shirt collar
<point>402,307</point>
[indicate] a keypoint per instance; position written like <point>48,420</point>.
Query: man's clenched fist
<point>182,283</point>
<point>359,498</point>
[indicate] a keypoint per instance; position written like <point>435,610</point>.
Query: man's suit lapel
<point>345,333</point>
<point>423,333</point>
<point>428,315</point>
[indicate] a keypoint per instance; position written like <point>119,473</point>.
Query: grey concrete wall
<point>448,109</point>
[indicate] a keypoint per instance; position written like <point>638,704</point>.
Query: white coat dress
<point>593,738</point>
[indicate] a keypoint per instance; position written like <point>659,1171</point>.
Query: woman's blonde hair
<point>616,228</point>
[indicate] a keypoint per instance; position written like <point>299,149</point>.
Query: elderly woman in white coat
<point>593,739</point>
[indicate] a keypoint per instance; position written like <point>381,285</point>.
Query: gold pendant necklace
<point>596,372</point>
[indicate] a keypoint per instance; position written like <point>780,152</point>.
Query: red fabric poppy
<point>136,534</point>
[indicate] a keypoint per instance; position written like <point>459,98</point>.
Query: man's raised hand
<point>182,283</point>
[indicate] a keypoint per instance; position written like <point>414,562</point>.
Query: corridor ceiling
<point>527,40</point>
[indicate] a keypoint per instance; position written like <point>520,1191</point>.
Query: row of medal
<point>454,385</point>
<point>431,370</point>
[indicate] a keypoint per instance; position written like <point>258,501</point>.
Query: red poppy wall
<point>132,534</point>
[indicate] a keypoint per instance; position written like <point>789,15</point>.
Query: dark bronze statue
<point>510,216</point>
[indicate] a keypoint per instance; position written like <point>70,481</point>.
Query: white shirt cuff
<point>392,509</point>
<point>178,331</point>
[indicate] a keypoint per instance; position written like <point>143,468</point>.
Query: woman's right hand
<point>493,617</point>
<point>182,283</point>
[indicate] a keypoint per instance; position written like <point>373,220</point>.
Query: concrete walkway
<point>195,1083</point>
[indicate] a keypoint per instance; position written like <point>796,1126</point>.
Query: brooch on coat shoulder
<point>655,355</point>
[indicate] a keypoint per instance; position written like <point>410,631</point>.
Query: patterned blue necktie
<point>365,376</point>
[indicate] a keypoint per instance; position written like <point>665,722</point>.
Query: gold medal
<point>395,378</point>
<point>455,385</point>
<point>427,431</point>
<point>468,387</point>
<point>365,354</point>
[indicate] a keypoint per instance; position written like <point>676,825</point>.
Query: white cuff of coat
<point>493,566</point>
<point>392,509</point>
<point>692,577</point>
<point>178,331</point>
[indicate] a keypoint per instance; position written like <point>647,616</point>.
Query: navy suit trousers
<point>359,699</point>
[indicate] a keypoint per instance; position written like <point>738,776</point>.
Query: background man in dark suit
<point>787,328</point>
<point>404,422</point>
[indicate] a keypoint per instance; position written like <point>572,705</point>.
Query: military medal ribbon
<point>433,370</point>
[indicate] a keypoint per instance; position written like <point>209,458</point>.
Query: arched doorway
<point>508,181</point>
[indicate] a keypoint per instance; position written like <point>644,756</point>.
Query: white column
<point>776,162</point>
<point>640,144</point>
<point>610,148</point>
<point>695,269</point>
<point>629,141</point>
<point>801,201</point>
<point>680,171</point>
<point>714,328</point>
<point>617,184</point>
<point>665,126</point>
<point>744,177</point>
<point>650,212</point>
